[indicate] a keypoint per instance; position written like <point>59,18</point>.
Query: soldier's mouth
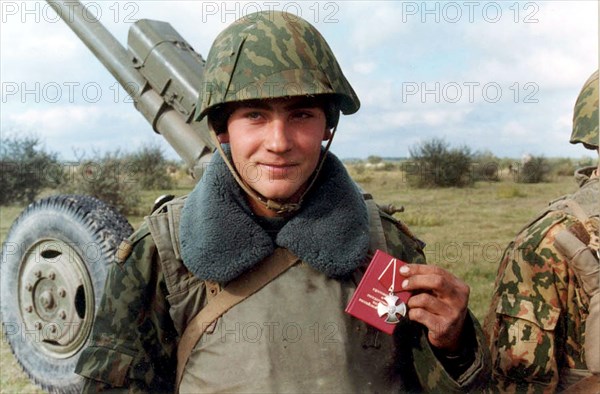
<point>279,170</point>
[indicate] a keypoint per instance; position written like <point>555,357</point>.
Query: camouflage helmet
<point>272,54</point>
<point>585,116</point>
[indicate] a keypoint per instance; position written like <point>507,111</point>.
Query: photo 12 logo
<point>36,11</point>
<point>66,91</point>
<point>229,11</point>
<point>469,91</point>
<point>469,11</point>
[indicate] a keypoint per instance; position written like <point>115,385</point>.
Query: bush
<point>108,178</point>
<point>486,167</point>
<point>534,170</point>
<point>26,169</point>
<point>564,167</point>
<point>374,159</point>
<point>150,168</point>
<point>434,164</point>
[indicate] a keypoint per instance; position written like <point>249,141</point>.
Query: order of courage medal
<point>390,308</point>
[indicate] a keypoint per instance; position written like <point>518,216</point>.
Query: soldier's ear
<point>327,134</point>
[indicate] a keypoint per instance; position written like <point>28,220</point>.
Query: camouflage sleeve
<point>427,372</point>
<point>531,337</point>
<point>133,340</point>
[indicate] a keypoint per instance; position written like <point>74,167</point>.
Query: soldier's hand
<point>439,302</point>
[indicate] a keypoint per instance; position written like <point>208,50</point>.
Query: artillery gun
<point>55,256</point>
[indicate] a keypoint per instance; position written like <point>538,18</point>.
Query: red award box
<point>378,299</point>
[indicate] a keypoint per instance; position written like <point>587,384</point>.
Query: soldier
<point>191,307</point>
<point>540,326</point>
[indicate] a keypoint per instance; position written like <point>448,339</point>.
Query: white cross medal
<point>390,308</point>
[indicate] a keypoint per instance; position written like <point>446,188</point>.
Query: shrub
<point>564,167</point>
<point>26,169</point>
<point>534,170</point>
<point>374,159</point>
<point>435,164</point>
<point>486,167</point>
<point>150,168</point>
<point>108,178</point>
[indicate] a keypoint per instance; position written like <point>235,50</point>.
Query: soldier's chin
<point>281,191</point>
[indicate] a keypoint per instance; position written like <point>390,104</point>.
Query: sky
<point>497,76</point>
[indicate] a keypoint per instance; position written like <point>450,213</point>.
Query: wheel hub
<point>56,297</point>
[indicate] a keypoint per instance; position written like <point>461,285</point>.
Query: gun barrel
<point>189,139</point>
<point>101,42</point>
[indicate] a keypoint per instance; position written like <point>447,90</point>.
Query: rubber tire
<point>77,221</point>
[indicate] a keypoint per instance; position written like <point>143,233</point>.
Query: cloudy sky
<point>501,76</point>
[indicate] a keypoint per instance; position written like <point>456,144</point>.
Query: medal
<point>390,308</point>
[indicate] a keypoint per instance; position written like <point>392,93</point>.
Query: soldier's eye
<point>253,115</point>
<point>302,114</point>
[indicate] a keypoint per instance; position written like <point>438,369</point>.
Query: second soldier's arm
<point>533,332</point>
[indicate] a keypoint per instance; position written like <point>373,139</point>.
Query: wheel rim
<point>56,297</point>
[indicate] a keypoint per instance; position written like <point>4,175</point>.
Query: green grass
<point>466,231</point>
<point>510,191</point>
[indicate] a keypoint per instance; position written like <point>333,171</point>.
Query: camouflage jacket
<point>134,340</point>
<point>536,321</point>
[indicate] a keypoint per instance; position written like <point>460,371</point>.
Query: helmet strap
<point>279,208</point>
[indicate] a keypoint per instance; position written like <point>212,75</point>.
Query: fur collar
<point>220,238</point>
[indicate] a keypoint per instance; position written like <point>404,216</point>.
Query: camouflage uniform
<point>536,321</point>
<point>214,236</point>
<point>136,331</point>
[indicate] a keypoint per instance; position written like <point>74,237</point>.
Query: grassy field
<point>465,230</point>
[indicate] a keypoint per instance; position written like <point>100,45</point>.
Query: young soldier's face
<point>276,144</point>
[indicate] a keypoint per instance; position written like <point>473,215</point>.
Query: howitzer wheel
<point>54,263</point>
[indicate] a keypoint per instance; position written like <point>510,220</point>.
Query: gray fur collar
<point>220,239</point>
